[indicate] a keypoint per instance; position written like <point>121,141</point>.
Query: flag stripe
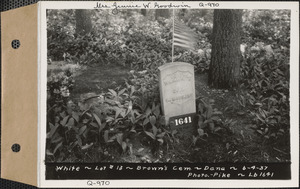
<point>184,46</point>
<point>184,42</point>
<point>179,31</point>
<point>189,35</point>
<point>183,36</point>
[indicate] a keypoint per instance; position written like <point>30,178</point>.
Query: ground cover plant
<point>103,102</point>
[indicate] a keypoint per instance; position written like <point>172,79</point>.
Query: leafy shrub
<point>146,45</point>
<point>200,59</point>
<point>72,133</point>
<point>59,86</point>
<point>265,70</point>
<point>267,80</point>
<point>114,40</point>
<point>268,26</point>
<point>146,85</point>
<point>60,32</point>
<point>208,119</point>
<point>108,118</point>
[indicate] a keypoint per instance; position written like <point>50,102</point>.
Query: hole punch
<point>15,44</point>
<point>16,147</point>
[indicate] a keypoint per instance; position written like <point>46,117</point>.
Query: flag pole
<point>173,35</point>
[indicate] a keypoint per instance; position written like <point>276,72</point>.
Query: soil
<point>238,143</point>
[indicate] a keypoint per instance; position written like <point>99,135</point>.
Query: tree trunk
<point>144,12</point>
<point>83,21</point>
<point>224,70</point>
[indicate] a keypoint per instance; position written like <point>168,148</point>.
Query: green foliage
<point>266,79</point>
<point>72,132</point>
<point>126,39</point>
<point>116,40</point>
<point>209,120</point>
<point>268,26</point>
<point>265,70</point>
<point>200,59</point>
<point>58,87</point>
<point>146,87</point>
<point>104,119</point>
<point>60,32</point>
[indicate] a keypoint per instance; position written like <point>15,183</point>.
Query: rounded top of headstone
<point>174,64</point>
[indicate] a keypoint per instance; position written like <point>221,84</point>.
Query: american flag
<point>183,36</point>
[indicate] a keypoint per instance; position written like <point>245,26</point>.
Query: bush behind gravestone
<point>265,70</point>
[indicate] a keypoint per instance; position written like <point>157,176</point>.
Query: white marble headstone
<point>177,89</point>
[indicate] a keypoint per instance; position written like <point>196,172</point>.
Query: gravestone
<point>177,92</point>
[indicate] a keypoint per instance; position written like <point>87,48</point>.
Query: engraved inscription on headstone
<point>177,89</point>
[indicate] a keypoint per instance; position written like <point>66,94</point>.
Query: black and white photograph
<point>175,86</point>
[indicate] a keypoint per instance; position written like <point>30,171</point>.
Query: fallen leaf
<point>240,113</point>
<point>140,150</point>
